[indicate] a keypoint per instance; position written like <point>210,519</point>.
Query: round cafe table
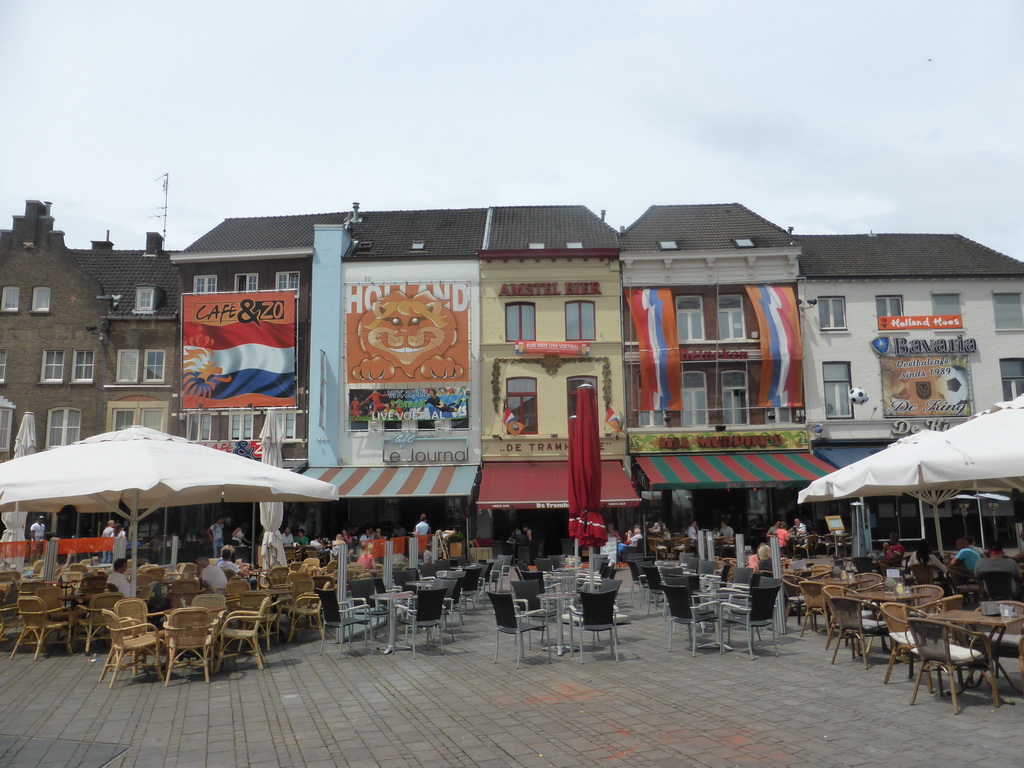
<point>560,599</point>
<point>392,599</point>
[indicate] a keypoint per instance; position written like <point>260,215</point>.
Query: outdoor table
<point>881,596</point>
<point>560,599</point>
<point>996,626</point>
<point>392,599</point>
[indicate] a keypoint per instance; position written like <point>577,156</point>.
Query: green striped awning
<point>752,470</point>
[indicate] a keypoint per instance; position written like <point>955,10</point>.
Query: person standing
<point>423,527</point>
<point>108,533</point>
<point>217,536</point>
<point>38,530</point>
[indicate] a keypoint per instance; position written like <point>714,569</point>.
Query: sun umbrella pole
<point>981,522</point>
<point>938,528</point>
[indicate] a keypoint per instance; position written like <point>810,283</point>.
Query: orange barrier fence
<point>9,550</point>
<point>85,546</point>
<point>400,545</point>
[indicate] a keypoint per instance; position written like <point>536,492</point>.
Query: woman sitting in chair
<point>367,560</point>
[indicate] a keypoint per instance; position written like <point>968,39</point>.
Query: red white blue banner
<point>778,319</point>
<point>238,350</point>
<point>654,322</point>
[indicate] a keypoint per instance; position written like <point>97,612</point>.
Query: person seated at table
<point>636,537</point>
<point>286,537</point>
<point>210,577</point>
<point>966,558</point>
<point>227,561</point>
<point>799,528</point>
<point>892,552</point>
<point>118,579</point>
<point>761,560</point>
<point>998,562</point>
<point>923,555</point>
<point>316,544</point>
<point>691,530</point>
<point>367,560</point>
<point>241,535</point>
<point>725,530</point>
<point>658,528</point>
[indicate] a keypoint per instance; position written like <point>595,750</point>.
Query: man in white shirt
<point>423,527</point>
<point>108,533</point>
<point>210,576</point>
<point>119,580</point>
<point>38,529</point>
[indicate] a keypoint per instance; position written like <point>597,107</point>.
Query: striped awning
<point>398,481</point>
<point>752,470</point>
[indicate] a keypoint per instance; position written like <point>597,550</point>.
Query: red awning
<point>545,485</point>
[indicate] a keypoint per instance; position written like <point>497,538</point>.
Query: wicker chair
<point>305,608</point>
<point>277,576</point>
<point>270,619</point>
<point>189,631</point>
<point>895,616</point>
<point>37,625</point>
<point>186,570</point>
<point>926,593</point>
<point>93,622</point>
<point>133,608</point>
<point>854,627</point>
<point>945,648</point>
<point>235,588</point>
<point>210,600</point>
<point>131,644</point>
<point>181,592</point>
<point>243,627</point>
<point>814,604</point>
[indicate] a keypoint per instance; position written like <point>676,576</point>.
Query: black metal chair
<point>597,614</point>
<point>402,578</point>
<point>337,618</point>
<point>652,578</point>
<point>428,614</point>
<point>511,619</point>
<point>681,610</point>
<point>753,611</point>
<point>361,591</point>
<point>472,585</point>
<point>544,564</point>
<point>427,570</point>
<point>705,567</point>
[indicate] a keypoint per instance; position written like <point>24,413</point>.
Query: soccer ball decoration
<point>957,387</point>
<point>858,396</point>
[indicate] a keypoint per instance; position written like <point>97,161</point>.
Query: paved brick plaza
<point>652,708</point>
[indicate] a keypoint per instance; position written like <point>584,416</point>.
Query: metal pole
<point>50,559</point>
<point>389,551</point>
<point>174,552</point>
<point>414,551</point>
<point>740,551</point>
<point>342,575</point>
<point>780,605</point>
<point>701,544</point>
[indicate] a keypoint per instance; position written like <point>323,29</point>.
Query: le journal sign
<point>588,288</point>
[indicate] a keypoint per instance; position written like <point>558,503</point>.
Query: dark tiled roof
<point>443,232</point>
<point>515,227</point>
<point>264,233</point>
<point>712,226</point>
<point>901,256</point>
<point>120,272</point>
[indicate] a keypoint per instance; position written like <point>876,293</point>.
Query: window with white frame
<point>288,281</point>
<point>9,298</point>
<point>695,398</point>
<point>3,365</point>
<point>837,382</point>
<point>945,303</point>
<point>63,426</point>
<point>1007,309</point>
<point>83,365</point>
<point>53,365</point>
<point>289,424</point>
<point>153,372</point>
<point>832,313</point>
<point>247,281</point>
<point>651,418</point>
<point>690,318</point>
<point>145,299</point>
<point>240,425</point>
<point>6,418</point>
<point>40,299</point>
<point>889,306</point>
<point>734,397</point>
<point>1011,371</point>
<point>730,317</point>
<point>199,427</point>
<point>127,365</point>
<point>124,414</point>
<point>204,284</point>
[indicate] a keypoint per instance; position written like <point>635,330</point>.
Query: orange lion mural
<point>408,339</point>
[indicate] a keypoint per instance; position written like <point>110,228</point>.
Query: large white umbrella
<point>14,521</point>
<point>984,453</point>
<point>135,471</point>
<point>272,512</point>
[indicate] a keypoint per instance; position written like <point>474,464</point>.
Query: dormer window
<point>574,245</point>
<point>418,245</point>
<point>536,246</point>
<point>145,298</point>
<point>668,245</point>
<point>744,242</point>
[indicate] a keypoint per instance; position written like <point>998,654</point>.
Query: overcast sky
<point>830,117</point>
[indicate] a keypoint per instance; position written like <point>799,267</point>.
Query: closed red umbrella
<point>586,523</point>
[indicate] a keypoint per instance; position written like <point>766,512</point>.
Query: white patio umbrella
<point>984,453</point>
<point>135,471</point>
<point>14,521</point>
<point>272,512</point>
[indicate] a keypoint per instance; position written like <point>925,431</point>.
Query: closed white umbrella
<point>135,471</point>
<point>272,512</point>
<point>984,453</point>
<point>14,521</point>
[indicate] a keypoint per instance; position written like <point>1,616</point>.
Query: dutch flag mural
<point>654,321</point>
<point>778,318</point>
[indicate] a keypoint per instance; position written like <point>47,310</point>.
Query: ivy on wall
<point>551,364</point>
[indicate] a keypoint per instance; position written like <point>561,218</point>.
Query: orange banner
<point>12,549</point>
<point>85,546</point>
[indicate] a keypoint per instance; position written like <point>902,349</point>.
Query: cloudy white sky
<point>830,117</point>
